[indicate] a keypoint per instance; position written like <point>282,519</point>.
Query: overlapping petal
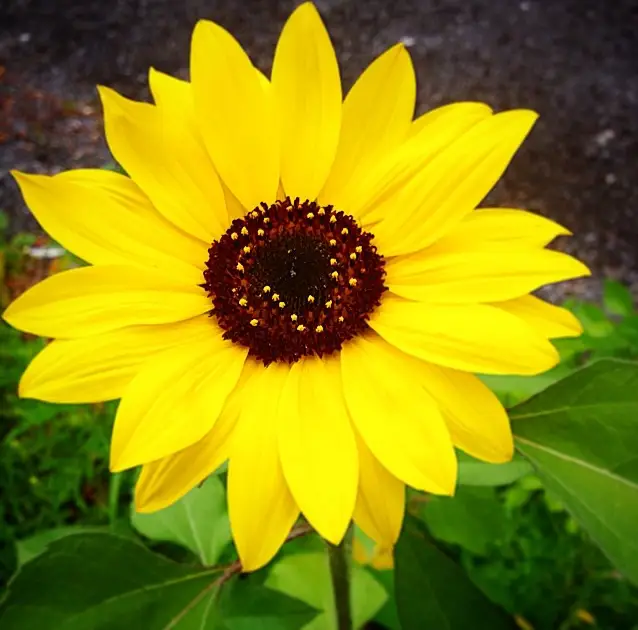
<point>307,92</point>
<point>261,507</point>
<point>468,337</point>
<point>380,501</point>
<point>317,446</point>
<point>167,161</point>
<point>174,400</point>
<point>235,115</point>
<point>100,215</point>
<point>374,196</point>
<point>100,367</point>
<point>399,422</point>
<point>93,300</point>
<point>377,114</point>
<point>478,276</point>
<point>549,320</point>
<point>166,480</point>
<point>452,184</point>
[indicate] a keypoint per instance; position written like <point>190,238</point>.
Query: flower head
<point>296,284</point>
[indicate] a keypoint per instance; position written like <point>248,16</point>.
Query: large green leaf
<point>306,576</point>
<point>198,521</point>
<point>432,591</point>
<point>473,472</point>
<point>581,435</point>
<point>104,582</point>
<point>617,298</point>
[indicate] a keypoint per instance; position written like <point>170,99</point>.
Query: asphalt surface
<point>574,61</point>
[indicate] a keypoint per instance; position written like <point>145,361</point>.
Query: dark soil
<point>574,61</point>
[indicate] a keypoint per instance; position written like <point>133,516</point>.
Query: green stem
<point>340,573</point>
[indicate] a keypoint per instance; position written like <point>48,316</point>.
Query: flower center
<point>293,279</point>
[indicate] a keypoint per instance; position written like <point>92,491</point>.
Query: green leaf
<point>473,472</point>
<point>306,576</point>
<point>617,298</point>
<point>432,591</point>
<point>581,435</point>
<point>29,548</point>
<point>103,582</point>
<point>198,521</point>
<point>473,518</point>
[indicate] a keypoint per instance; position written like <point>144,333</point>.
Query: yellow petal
<point>260,505</point>
<point>165,158</point>
<point>469,337</point>
<point>235,115</point>
<point>317,446</point>
<point>92,300</point>
<point>166,480</point>
<point>174,96</point>
<point>380,501</point>
<point>549,320</point>
<point>377,114</point>
<point>397,419</point>
<point>476,419</point>
<point>452,184</point>
<point>500,228</point>
<point>174,400</point>
<point>307,90</point>
<point>97,368</point>
<point>373,197</point>
<point>428,122</point>
<point>104,218</point>
<point>478,276</point>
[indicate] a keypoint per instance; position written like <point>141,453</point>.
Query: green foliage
<point>581,435</point>
<point>104,582</point>
<point>433,591</point>
<point>198,522</point>
<point>306,577</point>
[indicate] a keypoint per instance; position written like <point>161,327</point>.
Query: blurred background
<point>573,61</point>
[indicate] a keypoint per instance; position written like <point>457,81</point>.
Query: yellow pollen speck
<point>240,267</point>
<point>266,289</point>
<point>332,242</point>
<point>319,328</point>
<point>321,212</point>
<point>254,322</point>
<point>333,261</point>
<point>328,303</point>
<point>243,302</point>
<point>247,249</point>
<point>254,214</point>
<point>310,215</point>
<point>275,297</point>
<point>266,220</point>
<point>234,236</point>
<point>293,317</point>
<point>311,299</point>
<point>352,282</point>
<point>353,256</point>
<point>282,304</point>
<point>358,249</point>
<point>244,230</point>
<point>260,232</point>
<point>344,231</point>
<point>333,219</point>
<point>335,274</point>
<point>341,318</point>
<point>301,328</point>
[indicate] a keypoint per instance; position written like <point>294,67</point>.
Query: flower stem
<point>338,557</point>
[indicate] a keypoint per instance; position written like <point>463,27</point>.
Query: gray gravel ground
<point>574,61</point>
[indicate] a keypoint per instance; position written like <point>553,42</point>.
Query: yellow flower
<point>294,283</point>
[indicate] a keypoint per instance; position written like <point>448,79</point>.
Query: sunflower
<point>297,284</point>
